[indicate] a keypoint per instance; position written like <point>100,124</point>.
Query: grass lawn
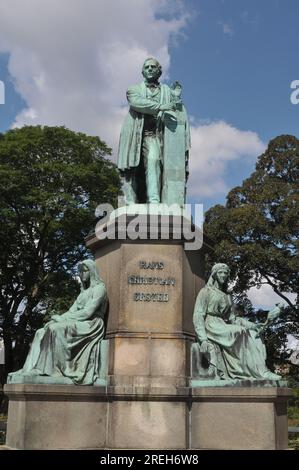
<point>293,416</point>
<point>3,419</point>
<point>293,421</point>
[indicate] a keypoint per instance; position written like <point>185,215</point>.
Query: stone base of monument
<point>243,418</point>
<point>124,417</point>
<point>149,401</point>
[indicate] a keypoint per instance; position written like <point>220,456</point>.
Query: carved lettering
<point>151,264</point>
<point>150,297</point>
<point>136,279</point>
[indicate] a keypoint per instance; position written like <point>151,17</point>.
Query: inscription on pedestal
<point>151,280</point>
<point>151,297</point>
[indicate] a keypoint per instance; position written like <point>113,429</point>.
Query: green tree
<point>51,181</point>
<point>256,232</point>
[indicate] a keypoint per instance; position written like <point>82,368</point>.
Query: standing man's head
<point>151,70</point>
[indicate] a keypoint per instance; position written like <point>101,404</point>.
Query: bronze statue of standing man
<point>156,116</point>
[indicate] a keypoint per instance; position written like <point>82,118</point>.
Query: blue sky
<point>13,101</point>
<point>237,62</point>
<point>69,62</point>
<point>242,75</point>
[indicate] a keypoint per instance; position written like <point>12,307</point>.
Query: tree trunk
<point>8,353</point>
<point>21,348</point>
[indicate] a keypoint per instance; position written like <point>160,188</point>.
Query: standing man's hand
<point>167,107</point>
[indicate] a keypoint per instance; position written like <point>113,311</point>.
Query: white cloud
<point>2,92</point>
<point>293,343</point>
<point>214,145</point>
<point>72,60</point>
<point>266,298</point>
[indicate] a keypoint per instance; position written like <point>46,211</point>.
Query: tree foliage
<point>51,181</point>
<point>256,232</point>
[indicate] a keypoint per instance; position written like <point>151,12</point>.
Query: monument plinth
<point>152,286</point>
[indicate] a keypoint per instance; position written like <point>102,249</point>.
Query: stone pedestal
<point>152,286</point>
<point>56,417</point>
<point>243,418</point>
<point>147,401</point>
<point>123,417</point>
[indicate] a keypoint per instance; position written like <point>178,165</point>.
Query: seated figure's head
<point>219,275</point>
<point>88,273</point>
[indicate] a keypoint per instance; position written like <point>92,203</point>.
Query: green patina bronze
<point>68,349</point>
<point>154,142</point>
<point>229,348</point>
